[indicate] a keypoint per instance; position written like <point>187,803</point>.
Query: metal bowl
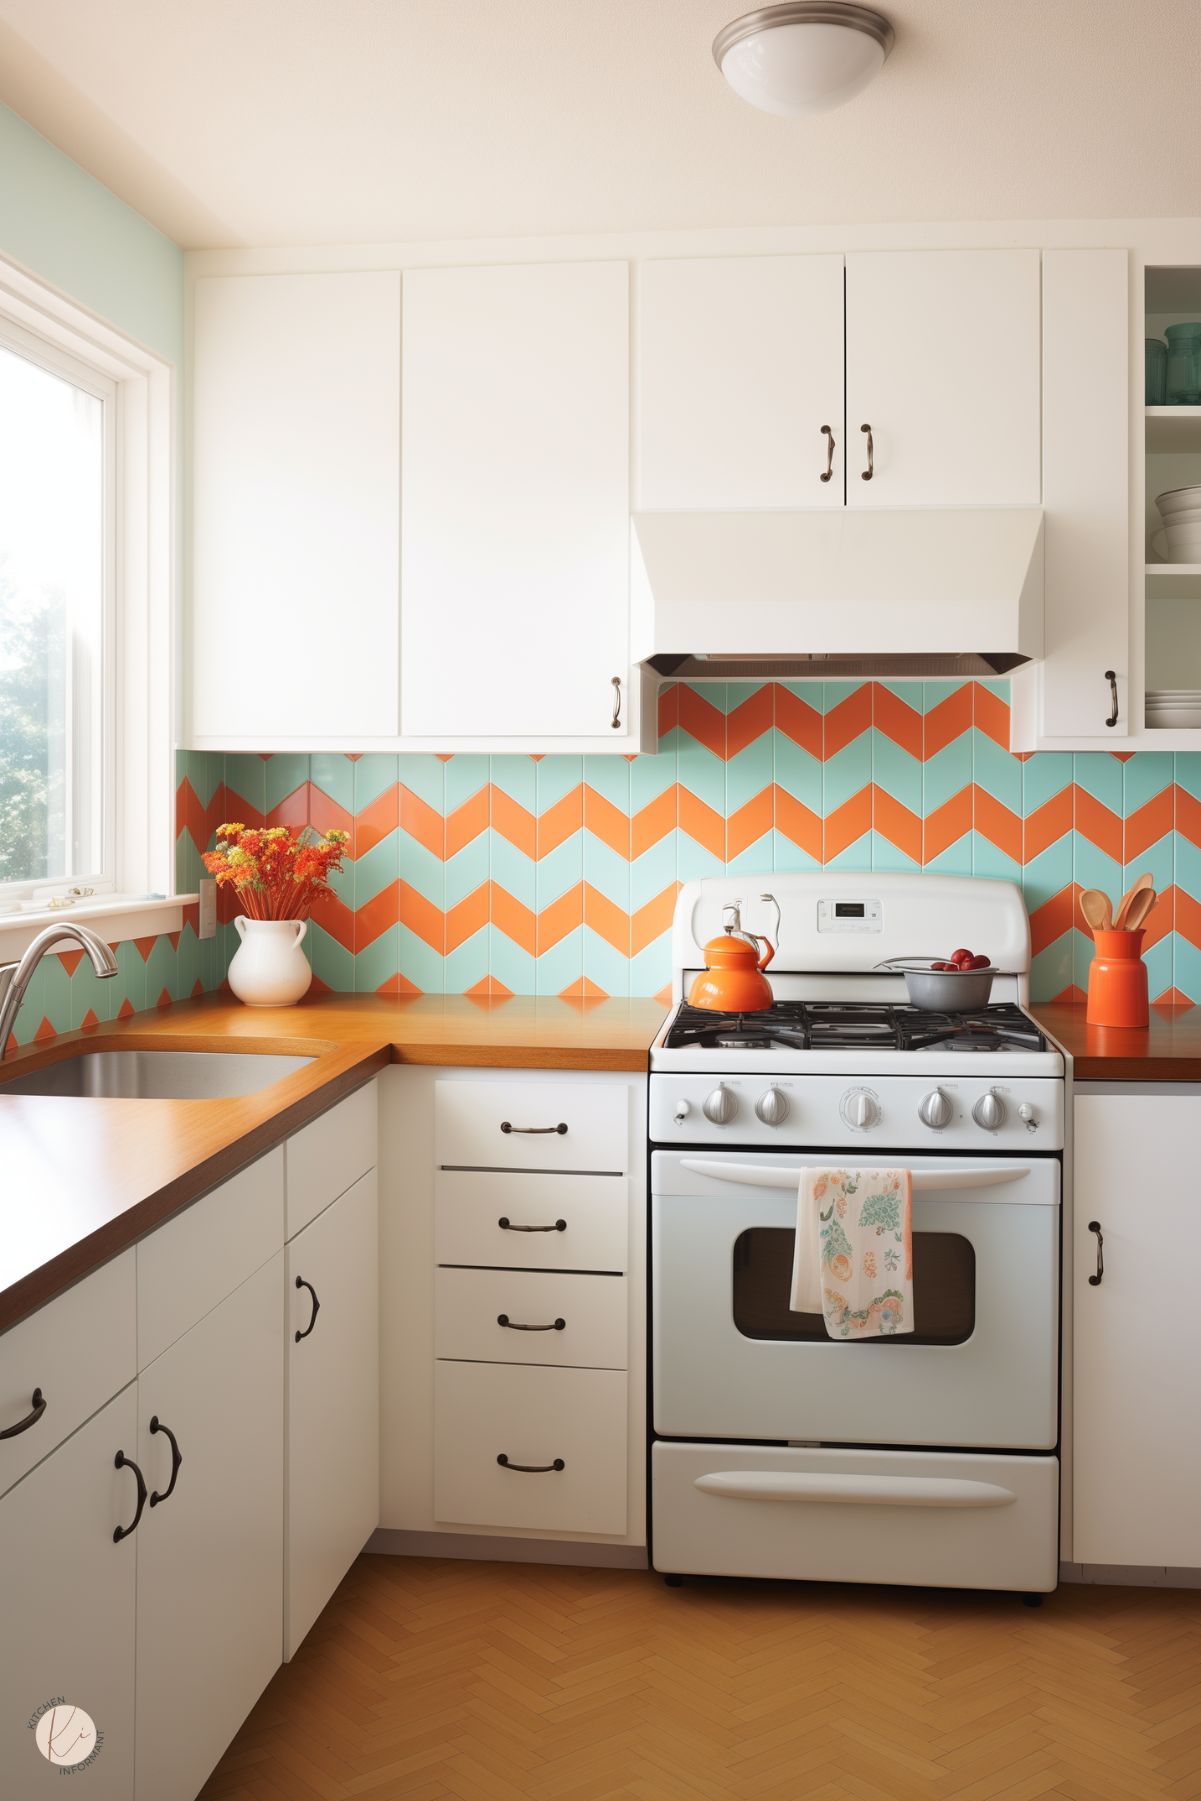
<point>945,990</point>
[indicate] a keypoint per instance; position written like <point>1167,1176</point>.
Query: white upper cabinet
<point>515,503</point>
<point>295,506</point>
<point>943,366</point>
<point>740,383</point>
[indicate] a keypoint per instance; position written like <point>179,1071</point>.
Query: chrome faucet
<point>16,977</point>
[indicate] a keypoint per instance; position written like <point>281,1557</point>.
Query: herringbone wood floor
<point>441,1681</point>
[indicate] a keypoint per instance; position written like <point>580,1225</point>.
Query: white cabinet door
<point>515,503</point>
<point>943,365</point>
<point>68,1615</point>
<point>1137,1336</point>
<point>295,508</point>
<point>332,1504</point>
<point>740,367</point>
<point>210,1553</point>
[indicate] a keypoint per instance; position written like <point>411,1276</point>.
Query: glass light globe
<point>803,58</point>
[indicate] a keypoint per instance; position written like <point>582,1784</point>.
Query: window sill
<point>115,919</point>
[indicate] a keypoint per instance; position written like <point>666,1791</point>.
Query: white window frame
<point>140,681</point>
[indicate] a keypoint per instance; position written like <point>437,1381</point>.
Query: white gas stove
<point>950,1430</point>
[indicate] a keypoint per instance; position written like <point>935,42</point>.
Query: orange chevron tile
<point>583,989</point>
<point>607,822</point>
<point>421,821</point>
<point>891,716</point>
<point>406,904</point>
<point>654,821</point>
<point>701,823</point>
<point>1187,814</point>
<point>1098,824</point>
<point>798,720</point>
<point>749,720</point>
<point>491,989</point>
<point>848,822</point>
<point>1188,917</point>
<point>1071,995</point>
<point>669,709</point>
<point>1148,824</point>
<point>947,720</point>
<point>45,1030</point>
<point>996,823</point>
<point>336,918</point>
<point>947,824</point>
<point>897,823</point>
<point>324,813</point>
<point>748,823</point>
<point>70,960</point>
<point>467,822</point>
<point>561,820</point>
<point>512,821</point>
<point>399,985</point>
<point>1049,822</point>
<point>650,921</point>
<point>703,721</point>
<point>90,1019</point>
<point>562,916</point>
<point>1171,997</point>
<point>664,996</point>
<point>795,821</point>
<point>379,817</point>
<point>848,719</point>
<point>607,919</point>
<point>125,1010</point>
<point>1055,917</point>
<point>467,917</point>
<point>990,715</point>
<point>1161,919</point>
<point>514,919</point>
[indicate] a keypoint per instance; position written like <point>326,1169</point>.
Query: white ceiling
<point>244,122</point>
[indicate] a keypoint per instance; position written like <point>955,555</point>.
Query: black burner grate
<point>835,1025</point>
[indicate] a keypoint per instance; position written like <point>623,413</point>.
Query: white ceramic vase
<point>269,969</point>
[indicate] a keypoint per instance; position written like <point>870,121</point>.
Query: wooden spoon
<point>1139,908</point>
<point>1096,909</point>
<point>1127,901</point>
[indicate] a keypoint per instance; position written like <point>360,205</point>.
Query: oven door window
<point>944,1290</point>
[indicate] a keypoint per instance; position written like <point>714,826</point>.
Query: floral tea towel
<point>853,1260</point>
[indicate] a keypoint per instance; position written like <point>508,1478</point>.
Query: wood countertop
<point>1168,1049</point>
<point>80,1180</point>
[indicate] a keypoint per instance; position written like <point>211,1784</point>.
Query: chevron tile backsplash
<point>558,874</point>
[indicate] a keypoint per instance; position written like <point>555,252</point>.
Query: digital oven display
<point>848,910</point>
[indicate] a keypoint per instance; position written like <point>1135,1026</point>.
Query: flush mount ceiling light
<point>806,57</point>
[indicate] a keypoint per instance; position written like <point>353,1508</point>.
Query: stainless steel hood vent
<point>850,593</point>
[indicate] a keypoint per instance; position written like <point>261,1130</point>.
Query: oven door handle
<point>862,1491</point>
<point>759,1175</point>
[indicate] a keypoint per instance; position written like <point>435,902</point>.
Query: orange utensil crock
<point>1117,980</point>
<point>734,981</point>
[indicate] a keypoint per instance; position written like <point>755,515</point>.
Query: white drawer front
<point>532,1220</point>
<point>919,1517</point>
<point>188,1266</point>
<point>79,1350</point>
<point>533,1125</point>
<point>577,1321</point>
<point>328,1156</point>
<point>535,1418</point>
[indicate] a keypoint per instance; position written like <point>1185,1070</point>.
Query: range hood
<point>922,592</point>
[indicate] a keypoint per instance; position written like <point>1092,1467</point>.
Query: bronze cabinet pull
<point>615,722</point>
<point>37,1408</point>
<point>301,1283</point>
<point>534,1131</point>
<point>122,1462</point>
<point>512,1325</point>
<point>829,468</point>
<point>1112,679</point>
<point>506,1225</point>
<point>156,1425</point>
<point>867,473</point>
<point>1095,1226</point>
<point>531,1469</point>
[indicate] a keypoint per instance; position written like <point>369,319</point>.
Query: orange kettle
<point>734,981</point>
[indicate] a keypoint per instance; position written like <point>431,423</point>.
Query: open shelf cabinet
<point>1172,459</point>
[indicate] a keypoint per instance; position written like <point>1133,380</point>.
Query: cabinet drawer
<point>533,1125</point>
<point>188,1266</point>
<point>531,1219</point>
<point>536,1418</point>
<point>328,1156</point>
<point>79,1350</point>
<point>472,1302</point>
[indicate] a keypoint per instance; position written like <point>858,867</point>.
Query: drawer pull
<point>502,1319</point>
<point>531,1469</point>
<point>534,1131</point>
<point>301,1283</point>
<point>37,1409</point>
<point>122,1462</point>
<point>1096,1280</point>
<point>506,1225</point>
<point>156,1425</point>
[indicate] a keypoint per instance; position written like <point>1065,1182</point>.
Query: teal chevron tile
<point>693,861</point>
<point>1091,868</point>
<point>735,694</point>
<point>129,983</point>
<point>832,695</point>
<point>750,772</point>
<point>335,776</point>
<point>703,774</point>
<point>33,1007</point>
<point>204,771</point>
<point>898,773</point>
<point>415,960</point>
<point>989,861</point>
<point>516,777</point>
<point>655,870</point>
<point>556,776</point>
<point>380,866</point>
<point>188,865</point>
<point>756,858</point>
<point>1082,956</point>
<point>376,772</point>
<point>467,964</point>
<point>160,968</point>
<point>855,856</point>
<point>464,872</point>
<point>1159,967</point>
<point>1044,774</point>
<point>1100,775</point>
<point>1051,969</point>
<point>376,963</point>
<point>956,859</point>
<point>561,870</point>
<point>509,963</point>
<point>650,970</point>
<point>948,772</point>
<point>910,693</point>
<point>787,856</point>
<point>603,966</point>
<point>846,773</point>
<point>1188,866</point>
<point>1186,967</point>
<point>996,771</point>
<point>464,776</point>
<point>332,963</point>
<point>797,772</point>
<point>1049,873</point>
<point>246,779</point>
<point>649,777</point>
<point>1000,686</point>
<point>562,965</point>
<point>1147,774</point>
<point>1188,771</point>
<point>186,973</point>
<point>283,775</point>
<point>609,873</point>
<point>514,871</point>
<point>425,776</point>
<point>712,693</point>
<point>213,964</point>
<point>934,693</point>
<point>883,854</point>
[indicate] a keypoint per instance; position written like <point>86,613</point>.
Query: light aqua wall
<point>62,224</point>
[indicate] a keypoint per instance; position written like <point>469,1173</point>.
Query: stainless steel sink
<point>157,1075</point>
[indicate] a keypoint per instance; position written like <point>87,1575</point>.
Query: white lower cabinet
<point>332,1431</point>
<point>67,1632</point>
<point>210,1543</point>
<point>532,1316</point>
<point>1137,1337</point>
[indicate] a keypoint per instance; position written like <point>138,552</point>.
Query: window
<point>56,531</point>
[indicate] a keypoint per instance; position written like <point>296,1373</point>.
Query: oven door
<point>731,1360</point>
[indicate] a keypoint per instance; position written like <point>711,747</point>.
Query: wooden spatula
<point>1097,910</point>
<point>1139,908</point>
<point>1121,918</point>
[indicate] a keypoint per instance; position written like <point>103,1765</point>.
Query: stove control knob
<point>860,1110</point>
<point>989,1111</point>
<point>772,1107</point>
<point>1028,1116</point>
<point>681,1113</point>
<point>934,1110</point>
<point>721,1106</point>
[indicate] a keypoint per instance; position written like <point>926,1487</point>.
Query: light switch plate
<point>208,907</point>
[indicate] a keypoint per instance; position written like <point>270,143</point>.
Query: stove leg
<point>674,1581</point>
<point>1032,1600</point>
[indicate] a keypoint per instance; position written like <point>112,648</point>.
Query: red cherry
<point>960,955</point>
<point>979,963</point>
<point>944,966</point>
